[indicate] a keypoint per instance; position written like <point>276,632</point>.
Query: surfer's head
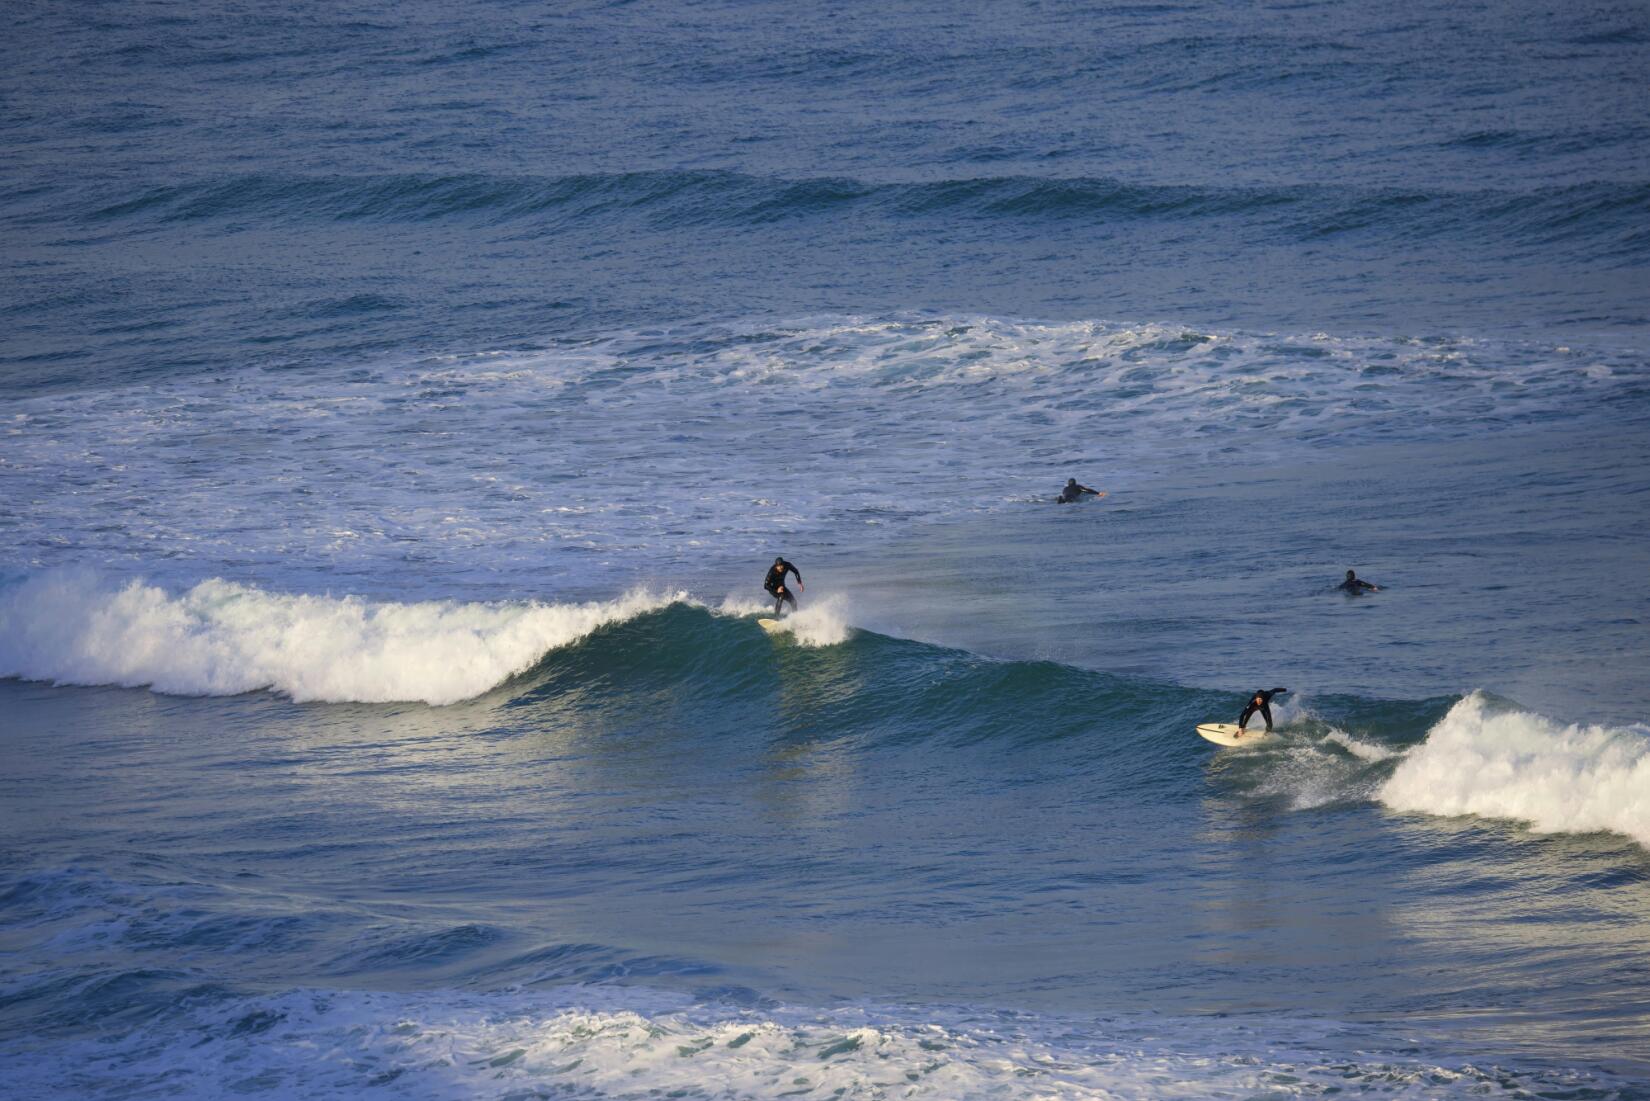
<point>1350,575</point>
<point>779,559</point>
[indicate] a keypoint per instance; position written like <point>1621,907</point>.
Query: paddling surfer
<point>1356,584</point>
<point>1074,492</point>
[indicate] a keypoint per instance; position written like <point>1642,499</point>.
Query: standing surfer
<point>1260,701</point>
<point>1074,492</point>
<point>775,584</point>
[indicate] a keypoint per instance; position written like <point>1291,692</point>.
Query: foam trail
<point>223,638</point>
<point>1497,763</point>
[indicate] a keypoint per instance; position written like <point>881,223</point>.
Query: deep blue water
<point>399,404</point>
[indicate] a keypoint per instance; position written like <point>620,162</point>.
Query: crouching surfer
<point>1261,702</point>
<point>775,584</point>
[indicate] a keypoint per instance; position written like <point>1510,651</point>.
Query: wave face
<point>1484,758</point>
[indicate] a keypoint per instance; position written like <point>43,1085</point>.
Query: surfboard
<point>1227,734</point>
<point>770,625</point>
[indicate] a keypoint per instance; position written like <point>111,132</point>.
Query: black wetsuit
<point>1074,492</point>
<point>1264,707</point>
<point>775,584</point>
<point>1355,585</point>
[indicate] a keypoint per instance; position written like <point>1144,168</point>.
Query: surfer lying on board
<point>1260,701</point>
<point>1074,492</point>
<point>775,584</point>
<point>1355,584</point>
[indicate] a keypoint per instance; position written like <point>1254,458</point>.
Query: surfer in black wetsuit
<point>775,584</point>
<point>1355,584</point>
<point>1074,492</point>
<point>1260,701</point>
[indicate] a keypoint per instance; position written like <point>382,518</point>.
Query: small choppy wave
<point>1499,762</point>
<point>1604,217</point>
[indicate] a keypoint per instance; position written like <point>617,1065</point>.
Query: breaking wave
<point>221,638</point>
<point>1482,757</point>
<point>1498,762</point>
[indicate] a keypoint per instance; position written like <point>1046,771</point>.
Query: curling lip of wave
<point>704,197</point>
<point>222,638</point>
<point>1503,763</point>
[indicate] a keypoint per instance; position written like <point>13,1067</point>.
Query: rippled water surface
<point>399,405</point>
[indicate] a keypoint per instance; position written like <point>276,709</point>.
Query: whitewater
<point>400,406</point>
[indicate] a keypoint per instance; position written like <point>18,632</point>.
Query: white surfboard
<point>771,626</point>
<point>1228,734</point>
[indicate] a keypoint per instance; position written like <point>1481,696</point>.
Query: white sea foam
<point>505,466</point>
<point>1309,774</point>
<point>821,622</point>
<point>221,638</point>
<point>1498,762</point>
<point>607,1042</point>
<point>737,605</point>
<point>1306,767</point>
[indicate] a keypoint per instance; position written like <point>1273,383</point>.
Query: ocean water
<point>400,404</point>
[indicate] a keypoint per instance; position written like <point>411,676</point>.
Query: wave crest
<point>223,638</point>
